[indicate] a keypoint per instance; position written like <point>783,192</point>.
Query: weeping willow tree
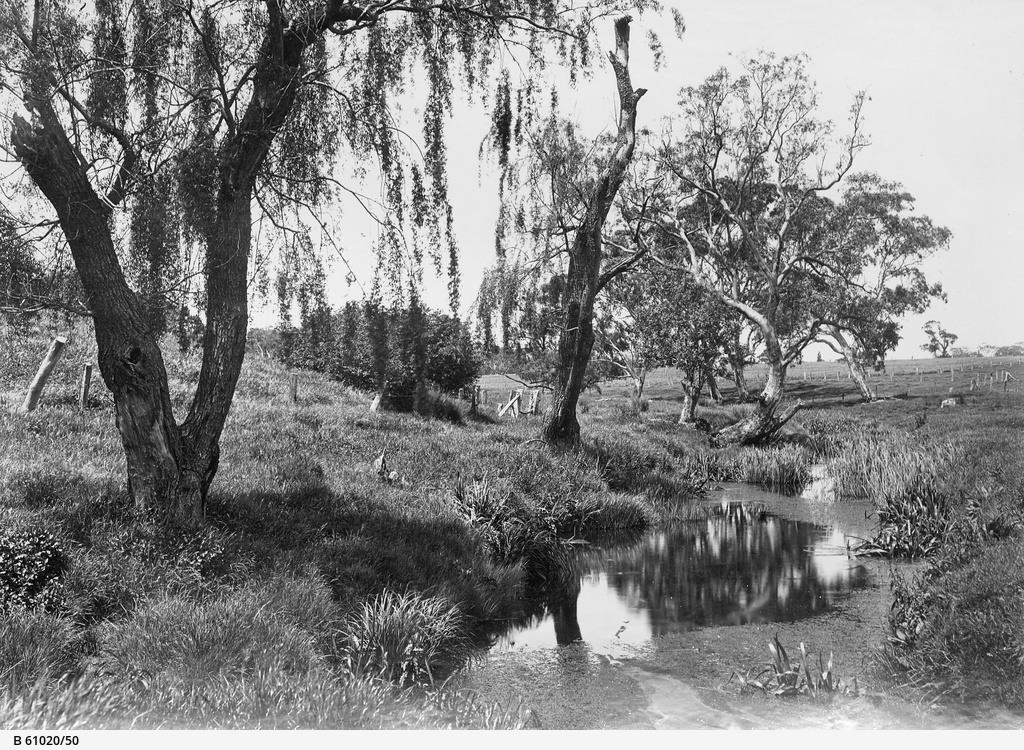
<point>212,114</point>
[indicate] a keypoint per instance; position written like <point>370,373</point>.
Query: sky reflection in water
<point>743,564</point>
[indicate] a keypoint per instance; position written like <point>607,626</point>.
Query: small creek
<point>651,631</point>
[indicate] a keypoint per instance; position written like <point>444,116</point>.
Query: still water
<point>651,631</point>
<point>757,557</point>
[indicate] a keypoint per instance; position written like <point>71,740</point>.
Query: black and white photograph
<point>510,365</point>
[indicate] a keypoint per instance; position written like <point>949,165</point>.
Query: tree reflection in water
<point>739,565</point>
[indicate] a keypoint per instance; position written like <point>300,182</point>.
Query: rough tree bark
<point>584,278</point>
<point>170,466</point>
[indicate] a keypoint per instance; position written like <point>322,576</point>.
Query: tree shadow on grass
<point>365,541</point>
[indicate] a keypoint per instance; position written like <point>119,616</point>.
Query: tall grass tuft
<point>228,635</point>
<point>35,647</point>
<point>405,638</point>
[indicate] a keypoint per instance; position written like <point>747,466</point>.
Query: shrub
<point>30,563</point>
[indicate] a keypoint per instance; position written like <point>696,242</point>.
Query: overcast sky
<point>945,118</point>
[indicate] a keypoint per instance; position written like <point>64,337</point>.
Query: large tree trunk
<point>763,423</point>
<point>170,468</point>
<point>577,339</point>
<point>164,474</point>
<point>584,279</point>
<point>857,372</point>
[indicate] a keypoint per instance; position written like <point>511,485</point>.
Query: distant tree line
<point>400,351</point>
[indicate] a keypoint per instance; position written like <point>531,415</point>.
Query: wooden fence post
<point>50,361</point>
<point>83,391</point>
<point>293,388</point>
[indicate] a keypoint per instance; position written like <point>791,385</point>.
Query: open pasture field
<point>819,384</point>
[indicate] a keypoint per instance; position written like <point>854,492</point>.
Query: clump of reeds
<point>914,484</point>
<point>912,522</point>
<point>785,678</point>
<point>777,468</point>
<point>781,467</point>
<point>404,638</point>
<point>628,462</point>
<point>876,464</point>
<point>539,538</point>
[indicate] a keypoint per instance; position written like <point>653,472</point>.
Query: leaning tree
<point>741,208</point>
<point>231,108</point>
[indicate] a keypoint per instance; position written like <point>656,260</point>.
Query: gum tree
<point>742,208</point>
<point>874,274</point>
<point>939,339</point>
<point>234,109</point>
<point>569,187</point>
<point>654,317</point>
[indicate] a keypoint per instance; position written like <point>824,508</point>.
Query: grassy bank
<point>948,486</point>
<point>327,593</point>
<point>323,592</point>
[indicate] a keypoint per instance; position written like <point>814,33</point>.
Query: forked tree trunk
<point>584,279</point>
<point>170,467</point>
<point>688,413</point>
<point>763,423</point>
<point>857,372</point>
<point>164,473</point>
